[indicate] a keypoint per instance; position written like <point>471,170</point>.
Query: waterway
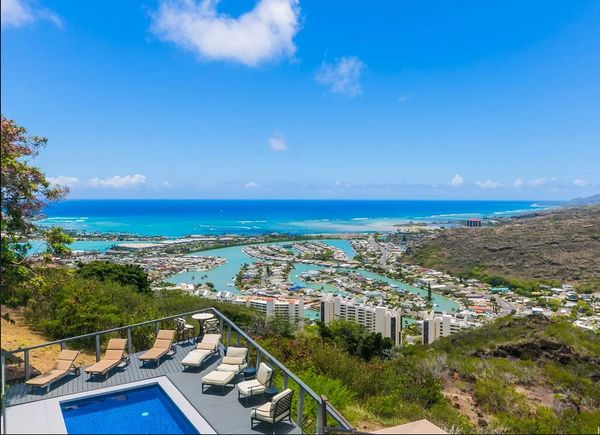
<point>223,276</point>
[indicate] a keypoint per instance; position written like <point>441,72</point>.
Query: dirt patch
<point>463,401</point>
<point>17,334</point>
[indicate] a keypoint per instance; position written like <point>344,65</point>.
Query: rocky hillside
<point>561,245</point>
<point>523,375</point>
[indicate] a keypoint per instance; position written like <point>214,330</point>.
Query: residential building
<point>436,326</point>
<point>380,319</point>
<point>290,308</point>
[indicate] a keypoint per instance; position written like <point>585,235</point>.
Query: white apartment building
<point>436,326</point>
<point>375,318</point>
<point>290,308</point>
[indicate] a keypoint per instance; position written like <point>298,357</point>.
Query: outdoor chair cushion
<point>217,378</point>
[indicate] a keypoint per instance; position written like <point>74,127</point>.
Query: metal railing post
<point>321,415</point>
<point>228,334</point>
<point>3,373</point>
<point>62,345</point>
<point>97,347</point>
<point>155,328</point>
<point>237,339</point>
<point>257,357</point>
<point>300,408</point>
<point>285,381</point>
<point>27,367</point>
<point>129,343</point>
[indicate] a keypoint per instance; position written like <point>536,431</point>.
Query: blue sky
<point>309,99</point>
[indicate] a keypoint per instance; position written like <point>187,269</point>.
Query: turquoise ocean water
<point>175,218</point>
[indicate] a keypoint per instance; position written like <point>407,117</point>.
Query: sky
<point>309,98</point>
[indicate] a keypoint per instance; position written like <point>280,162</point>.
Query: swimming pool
<point>142,410</point>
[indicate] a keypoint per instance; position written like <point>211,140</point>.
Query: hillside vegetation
<point>560,245</point>
<point>516,375</point>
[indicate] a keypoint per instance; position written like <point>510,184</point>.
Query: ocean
<point>175,218</point>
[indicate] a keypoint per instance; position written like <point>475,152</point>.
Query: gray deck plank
<point>224,412</point>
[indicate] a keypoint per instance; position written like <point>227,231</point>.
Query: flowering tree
<point>25,191</point>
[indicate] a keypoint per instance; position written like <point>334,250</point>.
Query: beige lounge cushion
<point>250,388</point>
<point>217,378</point>
<point>263,412</point>
<point>102,366</point>
<point>195,357</point>
<point>46,378</point>
<point>166,334</point>
<point>161,343</point>
<point>116,344</point>
<point>237,352</point>
<point>234,360</point>
<point>211,338</point>
<point>264,373</point>
<point>113,355</point>
<point>207,346</point>
<point>153,354</point>
<point>233,368</point>
<point>68,355</point>
<point>62,365</point>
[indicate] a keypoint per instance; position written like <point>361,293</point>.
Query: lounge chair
<point>207,347</point>
<point>64,365</point>
<point>275,410</point>
<point>217,378</point>
<point>162,345</point>
<point>234,360</point>
<point>256,386</point>
<point>115,354</point>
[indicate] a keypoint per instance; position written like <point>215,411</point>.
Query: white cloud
<point>63,180</point>
<point>262,34</point>
<point>518,183</point>
<point>538,182</point>
<point>578,182</point>
<point>489,184</point>
<point>457,180</point>
<point>119,182</point>
<point>18,13</point>
<point>251,185</point>
<point>342,76</point>
<point>277,143</point>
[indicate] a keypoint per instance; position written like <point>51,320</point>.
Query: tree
<point>24,193</point>
<point>123,274</point>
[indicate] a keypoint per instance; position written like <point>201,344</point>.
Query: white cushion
<point>217,378</point>
<point>233,368</point>
<point>264,373</point>
<point>195,357</point>
<point>234,360</point>
<point>250,388</point>
<point>237,351</point>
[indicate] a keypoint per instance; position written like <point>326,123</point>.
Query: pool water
<point>144,410</point>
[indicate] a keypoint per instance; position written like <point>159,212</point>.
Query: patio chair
<point>256,386</point>
<point>275,410</point>
<point>207,347</point>
<point>234,360</point>
<point>64,365</point>
<point>211,326</point>
<point>184,329</point>
<point>115,355</point>
<point>162,346</point>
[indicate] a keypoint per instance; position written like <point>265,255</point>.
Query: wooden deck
<point>223,411</point>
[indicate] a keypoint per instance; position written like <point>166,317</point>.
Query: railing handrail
<point>106,331</point>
